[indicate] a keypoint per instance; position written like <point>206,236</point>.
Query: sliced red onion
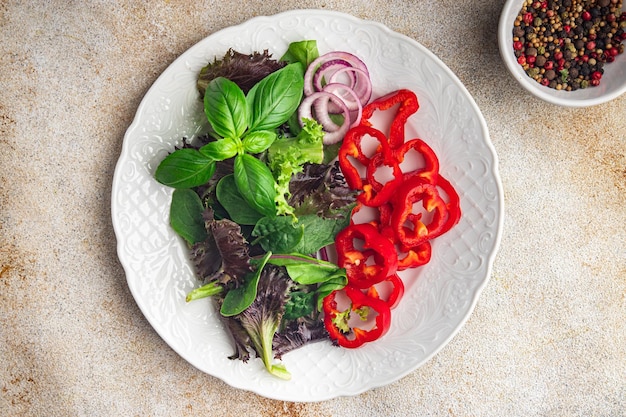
<point>323,92</point>
<point>361,83</point>
<point>354,106</point>
<point>327,70</point>
<point>333,132</point>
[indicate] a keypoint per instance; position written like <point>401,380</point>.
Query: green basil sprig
<point>244,126</point>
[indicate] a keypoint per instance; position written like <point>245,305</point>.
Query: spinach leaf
<point>255,182</point>
<point>185,168</point>
<point>258,141</point>
<point>235,205</point>
<point>319,232</point>
<point>303,52</point>
<point>278,234</point>
<point>186,215</point>
<point>207,290</point>
<point>337,282</point>
<point>307,270</point>
<point>222,149</point>
<point>225,108</point>
<point>240,298</point>
<point>275,98</point>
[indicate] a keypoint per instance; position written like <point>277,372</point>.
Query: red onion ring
<point>323,97</point>
<point>334,133</point>
<point>353,105</point>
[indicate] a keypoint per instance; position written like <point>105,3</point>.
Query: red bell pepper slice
<point>415,256</point>
<point>366,266</point>
<point>430,169</point>
<point>453,204</point>
<point>351,150</point>
<point>396,293</point>
<point>408,104</point>
<point>338,324</point>
<point>410,228</point>
<point>376,193</point>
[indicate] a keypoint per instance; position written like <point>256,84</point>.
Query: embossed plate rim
<point>143,252</point>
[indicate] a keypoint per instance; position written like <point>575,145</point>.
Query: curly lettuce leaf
<point>262,319</point>
<point>245,70</point>
<point>223,255</point>
<point>287,156</point>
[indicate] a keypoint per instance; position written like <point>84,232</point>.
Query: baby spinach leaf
<point>275,98</point>
<point>258,141</point>
<point>319,232</point>
<point>235,205</point>
<point>255,182</point>
<point>186,215</point>
<point>221,149</point>
<point>240,298</point>
<point>307,270</point>
<point>303,52</point>
<point>278,234</point>
<point>207,290</point>
<point>337,282</point>
<point>185,168</point>
<point>225,108</point>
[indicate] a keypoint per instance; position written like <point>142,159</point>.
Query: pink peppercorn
<point>528,18</point>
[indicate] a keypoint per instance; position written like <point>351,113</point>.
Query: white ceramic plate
<point>439,298</point>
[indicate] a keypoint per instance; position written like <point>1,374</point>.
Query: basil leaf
<point>275,98</point>
<point>237,208</point>
<point>259,141</point>
<point>255,182</point>
<point>186,215</point>
<point>240,298</point>
<point>221,149</point>
<point>225,108</point>
<point>185,168</point>
<point>278,234</point>
<point>303,52</point>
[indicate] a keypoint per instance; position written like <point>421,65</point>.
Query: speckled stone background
<point>547,338</point>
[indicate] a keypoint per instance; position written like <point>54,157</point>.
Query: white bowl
<point>612,85</point>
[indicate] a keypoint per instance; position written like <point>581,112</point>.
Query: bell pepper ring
<point>453,204</point>
<point>351,150</point>
<point>430,168</point>
<point>395,295</point>
<point>375,192</point>
<point>338,323</point>
<point>366,266</point>
<point>415,256</point>
<point>410,227</point>
<point>408,104</point>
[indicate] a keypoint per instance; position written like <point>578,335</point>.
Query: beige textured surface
<point>547,338</point>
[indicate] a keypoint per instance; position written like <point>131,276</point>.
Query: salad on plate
<point>304,200</point>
